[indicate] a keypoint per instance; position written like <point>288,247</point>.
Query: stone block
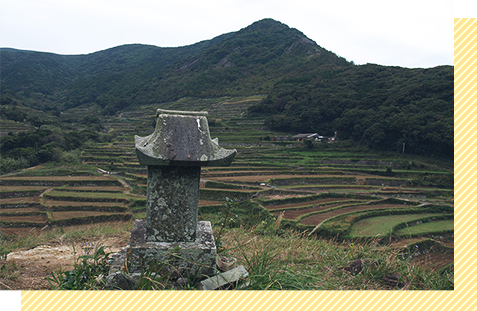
<point>185,259</point>
<point>223,279</point>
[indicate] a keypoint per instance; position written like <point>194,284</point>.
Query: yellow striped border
<point>464,296</point>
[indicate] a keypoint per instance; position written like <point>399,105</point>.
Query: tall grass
<point>290,260</point>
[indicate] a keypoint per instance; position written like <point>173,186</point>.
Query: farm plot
<point>297,214</point>
<point>59,203</point>
<point>209,203</point>
<point>57,181</point>
<point>314,220</point>
<point>306,204</point>
<point>337,188</point>
<point>383,224</point>
<point>28,217</point>
<point>95,189</point>
<point>222,194</point>
<point>423,228</point>
<point>83,204</point>
<point>21,208</point>
<point>92,196</point>
<point>233,173</point>
<point>60,178</point>
<point>68,200</point>
<point>78,214</point>
<point>286,179</point>
<point>19,201</point>
<point>24,188</point>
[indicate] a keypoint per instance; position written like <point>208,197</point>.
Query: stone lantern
<point>174,154</point>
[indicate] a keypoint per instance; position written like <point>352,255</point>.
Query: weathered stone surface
<point>119,280</point>
<point>226,263</point>
<point>172,203</point>
<point>181,138</point>
<point>222,279</point>
<point>187,258</point>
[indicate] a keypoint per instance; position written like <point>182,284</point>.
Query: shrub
<point>72,156</point>
<point>90,270</point>
<point>8,165</point>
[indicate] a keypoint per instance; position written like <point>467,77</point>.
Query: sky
<point>406,33</point>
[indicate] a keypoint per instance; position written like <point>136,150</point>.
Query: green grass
<point>433,226</point>
<point>139,215</point>
<point>382,225</point>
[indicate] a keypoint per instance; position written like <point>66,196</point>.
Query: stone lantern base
<point>184,259</point>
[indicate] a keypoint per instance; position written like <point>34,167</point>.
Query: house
<point>301,137</point>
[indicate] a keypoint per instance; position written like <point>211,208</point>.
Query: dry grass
<point>293,261</point>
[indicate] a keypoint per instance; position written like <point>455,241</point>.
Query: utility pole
<point>403,147</point>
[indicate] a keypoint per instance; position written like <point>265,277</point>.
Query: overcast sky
<point>407,33</point>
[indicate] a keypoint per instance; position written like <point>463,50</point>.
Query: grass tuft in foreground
<point>293,261</point>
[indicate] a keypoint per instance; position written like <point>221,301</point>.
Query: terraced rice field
<point>427,227</point>
<point>60,200</point>
<point>78,214</point>
<point>319,218</point>
<point>275,172</point>
<point>18,217</point>
<point>266,178</point>
<point>17,201</point>
<point>384,224</point>
<point>304,204</point>
<point>209,203</point>
<point>296,214</point>
<point>56,203</point>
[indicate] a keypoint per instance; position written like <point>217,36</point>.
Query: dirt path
<point>46,191</point>
<point>37,263</point>
<point>127,189</point>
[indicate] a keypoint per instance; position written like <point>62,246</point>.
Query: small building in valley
<point>301,137</point>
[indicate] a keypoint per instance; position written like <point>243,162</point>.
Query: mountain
<point>245,62</point>
<point>307,88</point>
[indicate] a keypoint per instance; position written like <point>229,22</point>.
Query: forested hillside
<point>308,88</point>
<point>246,62</point>
<point>383,107</point>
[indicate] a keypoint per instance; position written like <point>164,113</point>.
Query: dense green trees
<point>380,106</point>
<point>43,145</point>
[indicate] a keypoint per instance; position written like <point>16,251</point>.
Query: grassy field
<point>434,226</point>
<point>383,225</point>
